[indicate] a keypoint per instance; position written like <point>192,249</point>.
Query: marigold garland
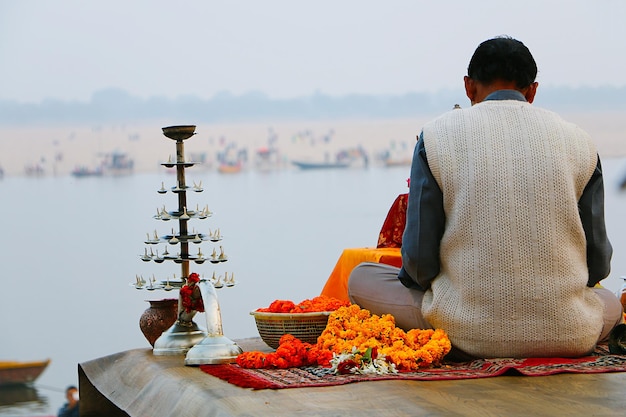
<point>355,330</point>
<point>291,353</point>
<point>190,296</point>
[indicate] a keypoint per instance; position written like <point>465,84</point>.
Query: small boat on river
<point>83,171</point>
<point>346,158</point>
<point>13,373</point>
<point>113,164</point>
<point>229,167</point>
<point>320,165</point>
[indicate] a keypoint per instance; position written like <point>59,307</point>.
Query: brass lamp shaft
<point>182,203</point>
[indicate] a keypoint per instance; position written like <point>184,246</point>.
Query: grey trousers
<point>375,287</point>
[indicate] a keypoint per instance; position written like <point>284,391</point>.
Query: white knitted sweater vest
<point>513,256</point>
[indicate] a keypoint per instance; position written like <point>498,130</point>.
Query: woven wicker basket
<point>305,326</point>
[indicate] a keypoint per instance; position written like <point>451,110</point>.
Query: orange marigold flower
<point>319,303</point>
<point>349,329</point>
<point>352,326</point>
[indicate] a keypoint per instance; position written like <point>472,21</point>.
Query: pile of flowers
<point>316,304</point>
<point>356,341</point>
<point>352,326</point>
<point>291,353</point>
<point>190,296</point>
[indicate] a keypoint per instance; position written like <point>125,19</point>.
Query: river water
<point>71,248</point>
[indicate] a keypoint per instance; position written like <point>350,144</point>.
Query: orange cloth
<point>387,251</point>
<point>337,283</point>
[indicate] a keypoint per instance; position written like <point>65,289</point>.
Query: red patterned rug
<point>600,361</point>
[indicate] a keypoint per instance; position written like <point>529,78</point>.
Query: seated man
<point>505,236</point>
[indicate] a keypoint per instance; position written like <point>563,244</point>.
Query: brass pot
<point>157,318</point>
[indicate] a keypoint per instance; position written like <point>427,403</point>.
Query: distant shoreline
<point>118,106</point>
<point>59,150</point>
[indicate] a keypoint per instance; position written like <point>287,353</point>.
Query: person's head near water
<point>501,63</point>
<point>71,394</point>
<point>70,408</point>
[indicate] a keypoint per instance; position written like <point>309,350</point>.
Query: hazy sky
<point>69,49</point>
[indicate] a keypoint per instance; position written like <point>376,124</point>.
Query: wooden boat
<point>391,162</point>
<point>231,159</point>
<point>396,154</point>
<point>113,164</point>
<point>320,165</point>
<point>267,159</point>
<point>229,167</point>
<point>346,158</point>
<point>118,163</point>
<point>12,373</point>
<point>83,171</point>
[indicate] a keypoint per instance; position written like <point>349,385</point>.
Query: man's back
<point>513,254</point>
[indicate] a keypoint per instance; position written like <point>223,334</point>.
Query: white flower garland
<point>370,363</point>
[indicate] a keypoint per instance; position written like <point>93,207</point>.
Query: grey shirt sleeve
<point>591,209</point>
<point>425,222</point>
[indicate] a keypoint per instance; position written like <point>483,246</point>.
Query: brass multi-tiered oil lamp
<point>200,346</point>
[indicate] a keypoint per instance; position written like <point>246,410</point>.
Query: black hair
<point>503,58</point>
